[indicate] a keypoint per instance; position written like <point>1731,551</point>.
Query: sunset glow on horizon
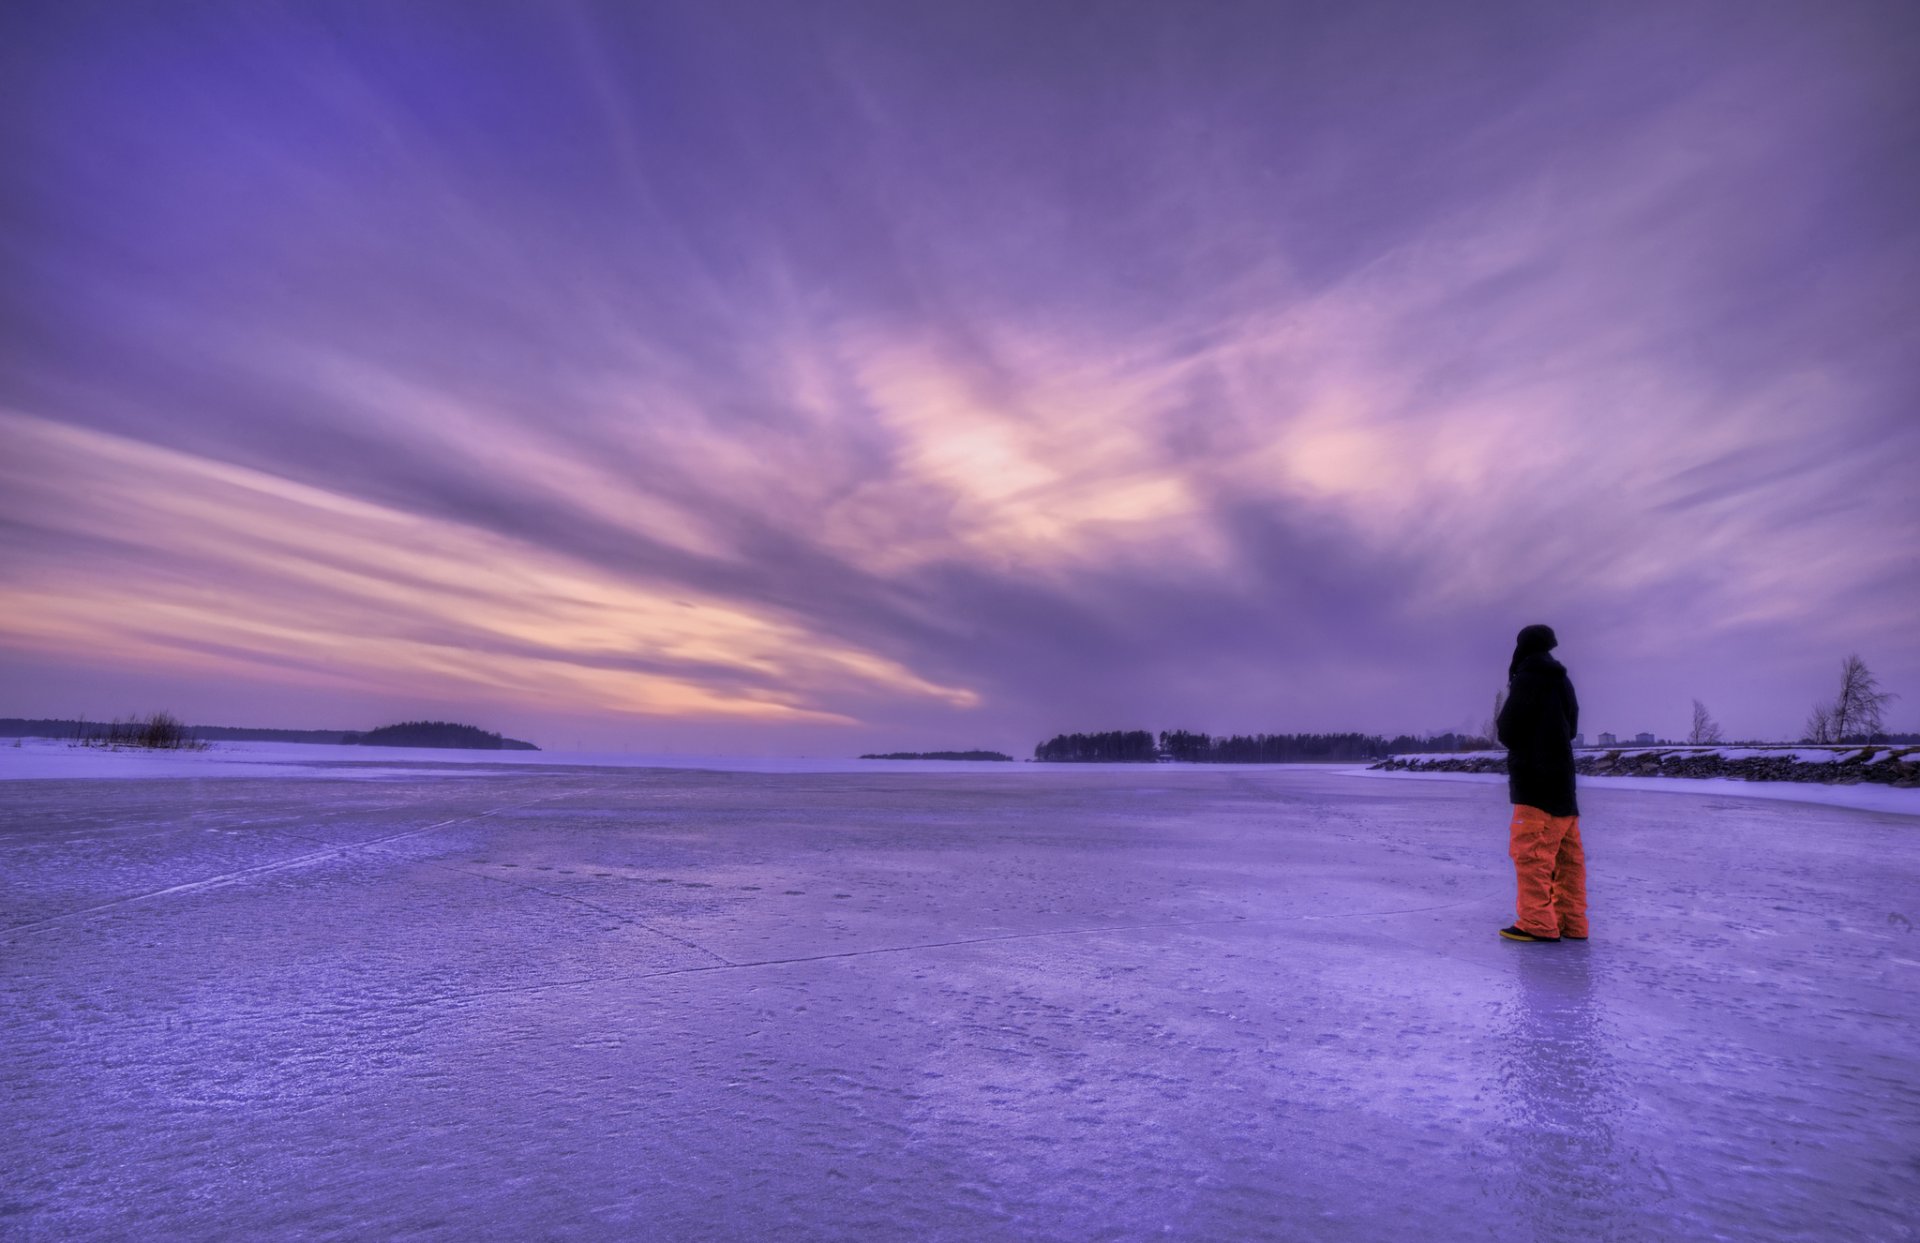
<point>803,377</point>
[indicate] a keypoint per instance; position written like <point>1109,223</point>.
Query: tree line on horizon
<point>1139,746</point>
<point>163,730</point>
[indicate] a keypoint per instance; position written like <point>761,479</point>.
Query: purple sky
<point>811,377</point>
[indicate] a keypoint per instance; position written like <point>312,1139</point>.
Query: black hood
<point>1532,641</point>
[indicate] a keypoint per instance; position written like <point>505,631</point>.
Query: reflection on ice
<point>1561,1096</point>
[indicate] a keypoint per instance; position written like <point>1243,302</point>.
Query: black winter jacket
<point>1537,726</point>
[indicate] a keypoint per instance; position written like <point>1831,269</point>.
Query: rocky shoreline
<point>1894,766</point>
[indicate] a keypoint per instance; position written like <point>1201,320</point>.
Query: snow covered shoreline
<point>1881,764</point>
<point>1879,778</point>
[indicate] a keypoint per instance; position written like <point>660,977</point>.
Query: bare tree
<point>1856,713</point>
<point>1706,730</point>
<point>1857,710</point>
<point>161,731</point>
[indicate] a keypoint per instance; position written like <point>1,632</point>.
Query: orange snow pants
<point>1552,871</point>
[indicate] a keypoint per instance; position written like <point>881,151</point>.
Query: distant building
<point>1644,740</point>
<point>1608,740</point>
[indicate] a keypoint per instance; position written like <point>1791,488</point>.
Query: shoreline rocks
<point>1881,765</point>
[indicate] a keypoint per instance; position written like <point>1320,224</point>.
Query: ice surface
<point>1213,1004</point>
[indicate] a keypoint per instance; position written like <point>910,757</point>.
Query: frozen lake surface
<point>581,1002</point>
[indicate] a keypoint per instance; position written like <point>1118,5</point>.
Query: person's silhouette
<point>1537,724</point>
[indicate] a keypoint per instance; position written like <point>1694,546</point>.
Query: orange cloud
<point>222,566</point>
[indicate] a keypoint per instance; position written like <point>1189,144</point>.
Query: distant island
<point>439,734</point>
<point>939,755</point>
<point>405,734</point>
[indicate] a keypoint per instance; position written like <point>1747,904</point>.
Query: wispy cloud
<point>235,570</point>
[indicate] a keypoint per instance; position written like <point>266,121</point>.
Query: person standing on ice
<point>1536,726</point>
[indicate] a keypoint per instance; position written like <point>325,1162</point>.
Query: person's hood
<point>1532,641</point>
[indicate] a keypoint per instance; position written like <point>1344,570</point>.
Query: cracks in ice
<point>261,869</point>
<point>728,965</point>
<point>239,874</point>
<point>609,912</point>
<point>721,963</point>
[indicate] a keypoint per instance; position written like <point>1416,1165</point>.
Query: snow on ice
<point>568,1000</point>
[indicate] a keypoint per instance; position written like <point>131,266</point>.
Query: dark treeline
<point>1195,748</point>
<point>937,755</point>
<point>238,733</point>
<point>94,731</point>
<point>1119,746</point>
<point>1137,746</point>
<point>406,734</point>
<point>46,727</point>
